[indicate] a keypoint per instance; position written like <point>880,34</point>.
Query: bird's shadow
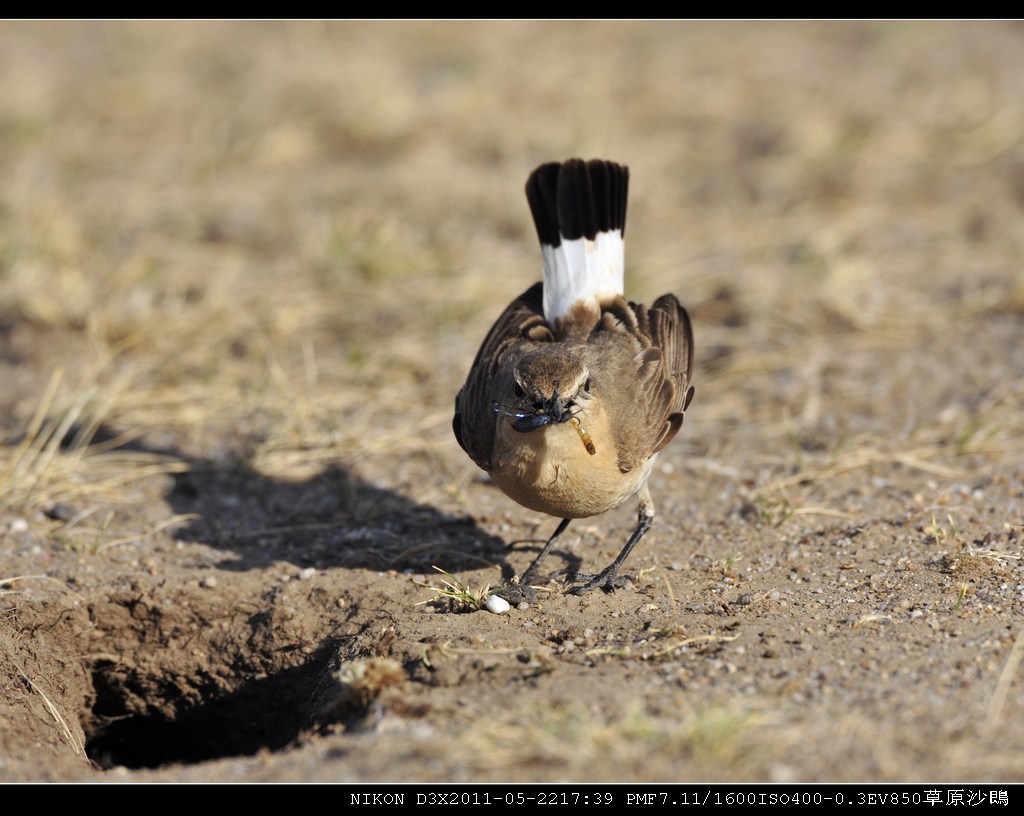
<point>333,519</point>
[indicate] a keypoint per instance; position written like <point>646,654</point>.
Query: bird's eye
<point>519,392</point>
<point>586,385</point>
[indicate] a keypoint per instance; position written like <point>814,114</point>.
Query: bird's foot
<point>609,581</point>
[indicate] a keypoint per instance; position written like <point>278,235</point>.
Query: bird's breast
<point>551,470</point>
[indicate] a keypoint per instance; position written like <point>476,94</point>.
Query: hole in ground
<point>267,713</point>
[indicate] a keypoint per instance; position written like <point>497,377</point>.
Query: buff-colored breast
<point>550,470</point>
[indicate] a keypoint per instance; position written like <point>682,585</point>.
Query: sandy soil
<point>243,271</point>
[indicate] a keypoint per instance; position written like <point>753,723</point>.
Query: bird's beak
<point>550,412</point>
<point>531,422</point>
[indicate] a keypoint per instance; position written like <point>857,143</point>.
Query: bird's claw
<point>608,581</point>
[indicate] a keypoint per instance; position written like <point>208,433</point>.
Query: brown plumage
<point>567,411</point>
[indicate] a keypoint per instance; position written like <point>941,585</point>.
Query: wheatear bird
<point>575,389</point>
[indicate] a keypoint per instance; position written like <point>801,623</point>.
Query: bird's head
<point>549,386</point>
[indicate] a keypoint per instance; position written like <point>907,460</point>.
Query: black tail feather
<point>577,199</point>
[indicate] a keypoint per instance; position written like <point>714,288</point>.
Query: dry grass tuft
<point>58,460</point>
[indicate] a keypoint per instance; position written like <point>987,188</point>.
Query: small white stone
<point>18,525</point>
<point>497,605</point>
<point>307,573</point>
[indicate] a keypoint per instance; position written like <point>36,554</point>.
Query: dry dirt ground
<point>243,271</point>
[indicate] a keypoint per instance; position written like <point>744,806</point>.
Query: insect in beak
<point>588,443</point>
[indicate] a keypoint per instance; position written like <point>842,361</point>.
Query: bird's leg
<point>532,569</point>
<point>521,589</point>
<point>606,579</point>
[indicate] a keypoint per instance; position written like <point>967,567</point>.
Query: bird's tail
<point>579,208</point>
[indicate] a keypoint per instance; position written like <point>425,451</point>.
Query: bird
<point>575,390</point>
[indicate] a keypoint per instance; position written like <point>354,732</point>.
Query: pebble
<point>497,604</point>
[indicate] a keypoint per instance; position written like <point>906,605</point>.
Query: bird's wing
<point>659,370</point>
<point>474,422</point>
<point>670,330</point>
